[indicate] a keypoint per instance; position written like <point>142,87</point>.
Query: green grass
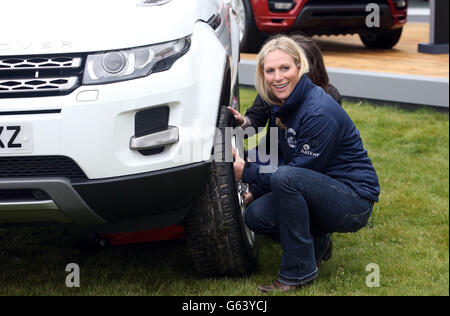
<point>409,241</point>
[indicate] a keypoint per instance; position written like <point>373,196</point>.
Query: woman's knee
<point>260,221</point>
<point>284,178</point>
<point>280,178</point>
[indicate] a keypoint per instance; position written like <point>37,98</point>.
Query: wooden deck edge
<point>401,88</point>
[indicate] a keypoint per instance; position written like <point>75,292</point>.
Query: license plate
<point>16,138</point>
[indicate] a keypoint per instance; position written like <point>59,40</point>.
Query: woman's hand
<point>248,198</point>
<point>240,119</point>
<point>239,164</point>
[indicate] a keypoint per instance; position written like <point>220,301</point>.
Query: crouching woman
<point>325,181</point>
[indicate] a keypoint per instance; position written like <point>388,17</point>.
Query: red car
<point>257,18</point>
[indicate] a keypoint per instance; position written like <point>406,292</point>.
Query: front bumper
<point>150,200</point>
<point>327,18</point>
<point>340,19</point>
<point>144,195</point>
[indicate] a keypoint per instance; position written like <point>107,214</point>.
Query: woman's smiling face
<point>280,73</point>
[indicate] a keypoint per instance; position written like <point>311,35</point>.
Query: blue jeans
<point>302,209</point>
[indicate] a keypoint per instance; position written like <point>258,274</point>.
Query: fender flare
<point>225,96</point>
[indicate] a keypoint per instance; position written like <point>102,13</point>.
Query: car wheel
<point>220,242</point>
<point>384,40</point>
<point>236,100</point>
<point>250,38</point>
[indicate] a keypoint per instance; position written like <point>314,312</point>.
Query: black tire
<point>215,230</point>
<point>251,38</point>
<point>384,40</point>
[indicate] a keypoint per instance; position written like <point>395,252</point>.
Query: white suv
<point>99,101</point>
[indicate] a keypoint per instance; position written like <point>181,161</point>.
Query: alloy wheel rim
<point>241,189</point>
<point>238,7</point>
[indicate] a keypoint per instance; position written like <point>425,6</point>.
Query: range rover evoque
<point>258,18</point>
<point>99,103</point>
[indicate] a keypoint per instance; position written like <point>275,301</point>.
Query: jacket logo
<point>306,150</point>
<point>292,142</point>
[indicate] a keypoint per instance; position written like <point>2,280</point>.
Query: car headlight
<point>133,63</point>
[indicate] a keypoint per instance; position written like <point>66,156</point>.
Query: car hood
<point>66,26</point>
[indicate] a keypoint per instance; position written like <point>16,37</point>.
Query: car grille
<point>34,76</point>
<point>344,2</point>
<point>41,166</point>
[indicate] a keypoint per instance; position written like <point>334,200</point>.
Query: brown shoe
<point>277,286</point>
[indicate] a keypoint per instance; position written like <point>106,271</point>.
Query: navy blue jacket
<point>320,136</point>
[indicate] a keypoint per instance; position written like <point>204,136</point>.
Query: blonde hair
<point>288,46</point>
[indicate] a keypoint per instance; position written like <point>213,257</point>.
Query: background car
<point>259,18</point>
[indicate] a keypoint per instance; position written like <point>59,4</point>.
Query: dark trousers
<point>302,209</point>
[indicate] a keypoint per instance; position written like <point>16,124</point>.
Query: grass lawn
<point>409,241</point>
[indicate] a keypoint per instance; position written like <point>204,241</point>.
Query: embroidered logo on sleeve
<point>306,150</point>
<point>292,142</point>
